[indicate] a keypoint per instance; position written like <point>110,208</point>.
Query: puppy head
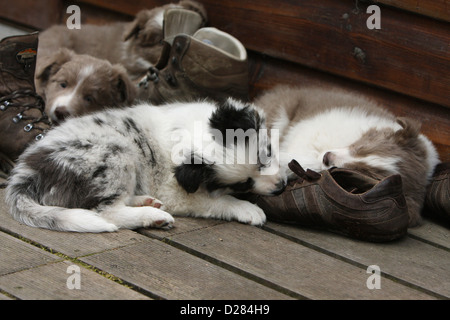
<point>383,152</point>
<point>74,85</point>
<point>238,156</point>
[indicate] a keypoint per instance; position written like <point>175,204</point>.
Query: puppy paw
<point>146,201</point>
<point>250,214</point>
<point>158,219</point>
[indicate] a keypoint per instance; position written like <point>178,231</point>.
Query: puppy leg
<point>126,217</point>
<point>145,201</point>
<point>227,208</point>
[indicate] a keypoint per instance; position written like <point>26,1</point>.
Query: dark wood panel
<point>37,14</point>
<point>410,54</point>
<point>266,72</point>
<point>439,9</point>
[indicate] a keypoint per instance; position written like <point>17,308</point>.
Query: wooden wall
<point>405,64</point>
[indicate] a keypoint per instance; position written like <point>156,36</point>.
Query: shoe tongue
<point>180,21</point>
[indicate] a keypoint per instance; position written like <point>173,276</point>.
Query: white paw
<point>146,201</point>
<point>157,218</point>
<point>249,213</point>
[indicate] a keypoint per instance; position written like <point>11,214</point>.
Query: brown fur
<point>136,45</point>
<point>107,86</point>
<point>405,143</point>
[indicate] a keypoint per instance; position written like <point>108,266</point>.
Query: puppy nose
<point>280,186</point>
<point>328,158</point>
<point>61,113</point>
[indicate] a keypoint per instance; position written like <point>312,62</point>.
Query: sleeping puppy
<point>323,128</point>
<point>136,45</point>
<point>104,171</point>
<point>73,84</point>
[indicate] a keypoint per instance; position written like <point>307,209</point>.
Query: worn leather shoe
<point>437,200</point>
<point>209,64</point>
<point>343,201</point>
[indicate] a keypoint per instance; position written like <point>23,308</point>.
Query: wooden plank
<point>266,72</point>
<point>49,282</point>
<point>408,260</point>
<point>171,273</point>
<point>433,233</point>
<point>286,264</point>
<point>439,9</point>
<point>72,244</point>
<point>181,225</point>
<point>17,255</point>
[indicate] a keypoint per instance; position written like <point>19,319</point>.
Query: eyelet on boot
<point>40,136</point>
<point>28,127</point>
<point>17,118</point>
<point>4,105</point>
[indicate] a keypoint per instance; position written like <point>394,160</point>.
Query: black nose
<point>61,113</point>
<point>327,158</point>
<point>279,188</point>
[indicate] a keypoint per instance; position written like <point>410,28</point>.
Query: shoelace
<point>8,101</point>
<point>308,175</point>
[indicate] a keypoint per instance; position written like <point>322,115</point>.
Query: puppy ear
<point>235,115</point>
<point>145,28</point>
<point>49,65</point>
<point>123,88</point>
<point>190,176</point>
<point>410,128</point>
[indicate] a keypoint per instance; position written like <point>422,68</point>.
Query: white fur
<point>102,140</point>
<point>335,130</point>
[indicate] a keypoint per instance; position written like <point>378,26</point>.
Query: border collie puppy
<point>104,171</point>
<point>323,128</point>
<point>75,84</point>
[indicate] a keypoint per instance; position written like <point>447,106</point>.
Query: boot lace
<point>302,175</point>
<point>10,100</point>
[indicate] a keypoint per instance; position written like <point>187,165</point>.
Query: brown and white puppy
<point>323,128</point>
<point>136,45</point>
<point>74,84</point>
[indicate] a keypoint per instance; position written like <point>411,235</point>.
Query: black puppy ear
<point>193,173</point>
<point>190,176</point>
<point>235,115</point>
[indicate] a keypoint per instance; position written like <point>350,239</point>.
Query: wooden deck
<point>203,259</point>
<point>217,260</point>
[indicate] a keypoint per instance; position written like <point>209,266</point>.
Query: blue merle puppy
<point>135,167</point>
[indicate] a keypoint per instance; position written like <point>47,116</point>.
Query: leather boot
<point>22,117</point>
<point>209,64</point>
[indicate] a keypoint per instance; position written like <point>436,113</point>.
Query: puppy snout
<point>328,158</point>
<point>279,188</point>
<point>61,113</point>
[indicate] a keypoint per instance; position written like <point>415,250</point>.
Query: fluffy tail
<point>24,208</point>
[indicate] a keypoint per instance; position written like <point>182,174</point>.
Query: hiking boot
<point>22,117</point>
<point>209,64</point>
<point>437,200</point>
<point>343,201</point>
